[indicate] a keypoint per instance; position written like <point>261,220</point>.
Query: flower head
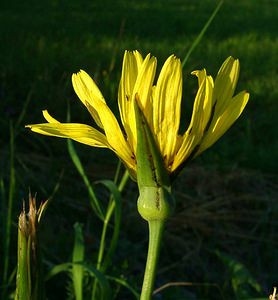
<point>215,109</point>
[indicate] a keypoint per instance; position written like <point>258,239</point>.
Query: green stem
<point>155,237</point>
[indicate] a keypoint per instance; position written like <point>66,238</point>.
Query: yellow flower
<point>215,109</point>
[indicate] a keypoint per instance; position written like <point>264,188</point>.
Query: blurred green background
<point>223,238</point>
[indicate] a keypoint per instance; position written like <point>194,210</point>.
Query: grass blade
<point>104,284</point>
<point>201,34</point>
<point>76,160</point>
<point>24,109</point>
<point>93,272</point>
<point>124,283</point>
<point>64,267</point>
<point>114,205</point>
<point>8,220</point>
<point>243,283</point>
<point>78,256</point>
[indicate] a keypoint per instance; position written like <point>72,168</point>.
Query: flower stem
<point>155,237</point>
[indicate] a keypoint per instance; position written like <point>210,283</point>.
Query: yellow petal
<point>188,144</point>
<point>131,63</point>
<point>79,132</point>
<point>144,83</point>
<point>223,122</point>
<point>143,91</point>
<point>87,91</point>
<point>49,118</point>
<point>81,137</point>
<point>167,107</point>
<point>203,102</point>
<point>137,79</point>
<point>90,95</point>
<point>201,115</point>
<point>225,84</point>
<point>113,132</point>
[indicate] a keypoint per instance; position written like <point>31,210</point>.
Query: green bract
<point>155,201</point>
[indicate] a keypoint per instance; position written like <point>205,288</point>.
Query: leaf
<point>241,279</point>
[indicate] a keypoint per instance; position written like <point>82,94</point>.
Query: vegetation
<point>222,241</point>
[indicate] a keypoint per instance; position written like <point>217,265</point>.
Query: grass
<point>226,198</point>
